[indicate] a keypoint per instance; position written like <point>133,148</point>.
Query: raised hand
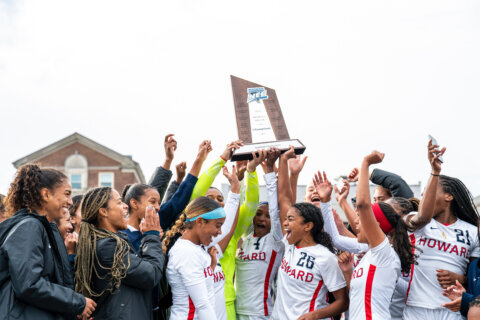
<point>232,179</point>
<point>289,154</point>
<point>323,186</point>
<point>353,176</point>
<point>341,195</point>
<point>181,169</point>
<point>204,149</point>
<point>241,168</point>
<point>374,157</point>
<point>231,147</point>
<point>296,164</point>
<point>433,154</point>
<point>269,164</point>
<point>151,221</point>
<point>345,262</point>
<point>252,164</point>
<point>170,145</point>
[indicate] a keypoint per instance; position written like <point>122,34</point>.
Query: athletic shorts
<point>245,317</point>
<point>416,313</point>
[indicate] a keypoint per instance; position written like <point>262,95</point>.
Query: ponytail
<point>134,191</point>
<point>400,240</point>
<point>195,208</point>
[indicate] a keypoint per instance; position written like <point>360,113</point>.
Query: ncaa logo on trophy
<point>260,122</point>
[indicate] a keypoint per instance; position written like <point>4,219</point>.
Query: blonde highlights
<point>86,259</point>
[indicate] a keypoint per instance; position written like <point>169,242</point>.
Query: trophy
<point>260,122</point>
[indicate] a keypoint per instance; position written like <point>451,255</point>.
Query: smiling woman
<point>108,268</point>
<point>191,278</point>
<point>36,284</point>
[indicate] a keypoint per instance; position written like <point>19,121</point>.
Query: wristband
<point>221,157</point>
<point>435,175</point>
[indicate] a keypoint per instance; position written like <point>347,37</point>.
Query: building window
<point>76,180</point>
<point>105,179</point>
<point>76,167</point>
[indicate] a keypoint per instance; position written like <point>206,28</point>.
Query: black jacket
<point>34,283</point>
<point>133,300</point>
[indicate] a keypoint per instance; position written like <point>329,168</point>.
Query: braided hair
<point>462,204</point>
<point>311,213</point>
<point>195,208</point>
<point>400,240</point>
<point>25,189</point>
<point>86,259</point>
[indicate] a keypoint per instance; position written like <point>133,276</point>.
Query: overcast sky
<point>351,76</point>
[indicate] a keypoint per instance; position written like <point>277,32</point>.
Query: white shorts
<point>247,317</point>
<point>415,313</point>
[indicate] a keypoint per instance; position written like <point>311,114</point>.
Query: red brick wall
<point>94,158</point>
<point>120,178</point>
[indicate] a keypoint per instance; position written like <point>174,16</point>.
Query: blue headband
<point>214,214</point>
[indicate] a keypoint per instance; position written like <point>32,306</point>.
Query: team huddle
<point>183,250</point>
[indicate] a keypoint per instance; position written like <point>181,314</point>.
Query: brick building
<point>87,163</point>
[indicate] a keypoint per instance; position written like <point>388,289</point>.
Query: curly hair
<point>195,208</point>
<point>86,258</point>
<point>311,213</point>
<point>25,190</point>
<point>2,204</point>
<point>400,240</point>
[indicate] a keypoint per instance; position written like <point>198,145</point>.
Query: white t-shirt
<point>442,247</point>
<point>373,282</point>
<point>188,264</point>
<point>304,279</point>
<point>256,266</point>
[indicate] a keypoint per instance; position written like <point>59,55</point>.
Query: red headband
<point>380,216</point>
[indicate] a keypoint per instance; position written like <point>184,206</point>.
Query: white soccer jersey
<point>400,294</point>
<point>219,288</point>
<point>442,247</point>
<point>304,279</point>
<point>256,266</point>
<point>188,264</point>
<point>373,282</point>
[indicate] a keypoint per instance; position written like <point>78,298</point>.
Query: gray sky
<point>351,76</point>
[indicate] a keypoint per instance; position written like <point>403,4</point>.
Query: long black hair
<point>311,213</point>
<point>462,204</point>
<point>403,205</point>
<point>400,240</point>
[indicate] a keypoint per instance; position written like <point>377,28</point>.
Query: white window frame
<point>104,173</point>
<point>82,185</point>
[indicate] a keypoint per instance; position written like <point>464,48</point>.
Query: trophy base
<point>245,151</point>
